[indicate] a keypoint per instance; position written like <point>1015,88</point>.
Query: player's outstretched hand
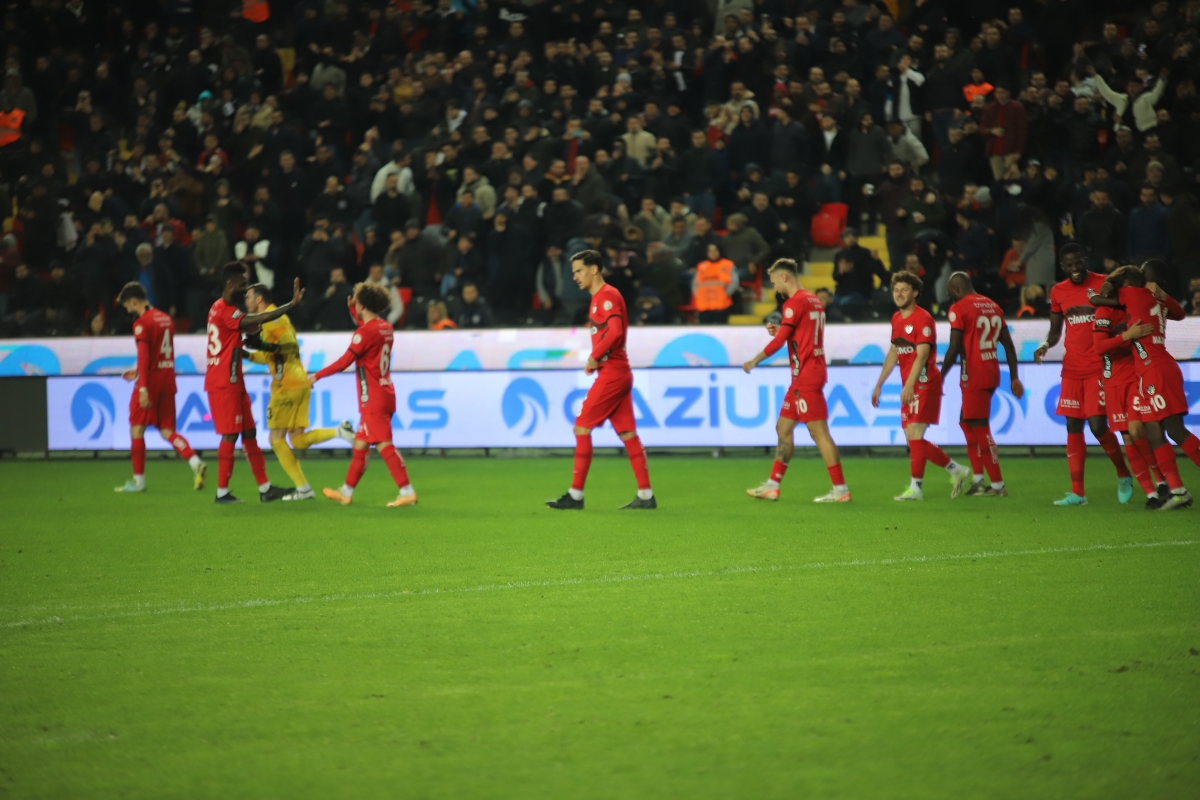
<point>749,365</point>
<point>129,374</point>
<point>1040,353</point>
<point>312,381</point>
<point>1018,388</point>
<point>875,396</point>
<point>772,329</point>
<point>143,398</point>
<point>297,292</point>
<point>591,366</point>
<point>907,395</point>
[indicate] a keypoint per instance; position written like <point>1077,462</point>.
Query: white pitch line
<point>653,576</point>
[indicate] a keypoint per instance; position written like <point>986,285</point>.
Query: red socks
<point>358,465</point>
<point>395,465</point>
<point>988,454</point>
<point>583,461</point>
<point>254,455</point>
<point>1113,448</point>
<point>1076,459</point>
<point>1139,468</point>
<point>224,464</point>
<point>182,447</point>
<point>916,458</point>
<point>637,460</point>
<point>1191,448</point>
<point>835,475</point>
<point>972,448</point>
<point>137,454</point>
<point>778,470</point>
<point>1165,456</point>
<point>936,455</point>
<point>1143,446</point>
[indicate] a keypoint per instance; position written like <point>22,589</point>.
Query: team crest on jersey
<point>787,312</point>
<point>908,328</point>
<point>357,338</point>
<point>953,317</point>
<point>925,331</point>
<point>137,329</point>
<point>1150,391</point>
<point>608,305</point>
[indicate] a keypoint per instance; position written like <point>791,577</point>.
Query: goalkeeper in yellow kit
<point>287,411</point>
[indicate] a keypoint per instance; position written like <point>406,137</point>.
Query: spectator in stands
<point>971,251</point>
<point>474,311</point>
<point>328,309</point>
<point>1004,127</point>
<point>436,317</point>
<point>868,153</point>
<point>258,256</point>
<point>745,247</point>
<point>1183,231</point>
<point>1147,232</point>
<point>1101,231</point>
<point>26,314</point>
<point>854,271</point>
<point>713,287</point>
<point>906,147</point>
<point>888,198</point>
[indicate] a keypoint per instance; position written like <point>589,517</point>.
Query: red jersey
<point>981,322</point>
<point>1071,300</point>
<point>918,328</point>
<point>1115,356</point>
<point>1142,306</point>
<point>609,321</point>
<point>371,352</point>
<point>154,334</point>
<point>803,330</point>
<point>224,365</point>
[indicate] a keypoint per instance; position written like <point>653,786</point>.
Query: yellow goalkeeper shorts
<point>288,409</point>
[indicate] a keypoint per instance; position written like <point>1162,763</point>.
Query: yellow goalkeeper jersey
<point>286,370</point>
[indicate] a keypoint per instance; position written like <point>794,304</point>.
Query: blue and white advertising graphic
<point>674,408</point>
<point>665,347</point>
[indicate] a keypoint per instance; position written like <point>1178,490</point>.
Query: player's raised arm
<point>1107,296</point>
<point>953,350</point>
<point>251,321</point>
<point>783,332</point>
<point>1010,355</point>
<point>889,364</point>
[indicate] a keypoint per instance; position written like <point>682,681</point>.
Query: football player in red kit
<point>228,401</point>
<point>153,400</point>
<point>1160,401</point>
<point>1081,397</point>
<point>976,327</point>
<point>371,352</point>
<point>1111,336</point>
<point>802,330</point>
<point>914,347</point>
<point>611,396</point>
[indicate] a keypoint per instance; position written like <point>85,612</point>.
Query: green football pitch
<point>481,645</point>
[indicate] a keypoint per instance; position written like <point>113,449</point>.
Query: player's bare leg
<point>199,468</point>
<point>981,433</point>
<point>137,455</point>
<point>395,464</point>
<point>358,465</point>
<point>573,499</point>
<point>921,452</point>
<point>840,493</point>
<point>784,447</point>
<point>641,471</point>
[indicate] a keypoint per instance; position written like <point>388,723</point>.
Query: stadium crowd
<point>457,152</point>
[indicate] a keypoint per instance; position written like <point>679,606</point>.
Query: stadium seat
<point>406,299</point>
<point>826,229</point>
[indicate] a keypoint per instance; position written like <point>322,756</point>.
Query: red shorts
<point>1160,392</point>
<point>977,403</point>
<point>230,411</point>
<point>926,407</point>
<point>804,404</point>
<point>160,414</point>
<point>1080,398</point>
<point>375,425</point>
<point>1119,404</point>
<point>609,399</point>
